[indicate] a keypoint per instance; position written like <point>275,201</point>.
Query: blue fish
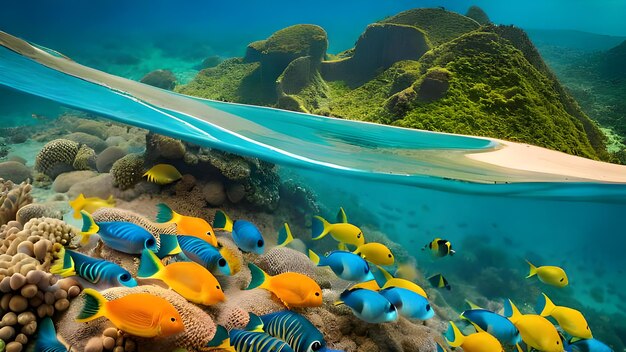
<point>47,338</point>
<point>296,330</point>
<point>495,324</point>
<point>245,234</point>
<point>408,303</point>
<point>253,339</point>
<point>203,253</point>
<point>590,345</point>
<point>95,271</point>
<point>369,306</point>
<point>125,237</point>
<point>345,265</point>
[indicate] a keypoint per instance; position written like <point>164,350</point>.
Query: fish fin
<point>150,265</point>
<point>221,340</point>
<point>342,246</point>
<point>94,306</point>
<point>63,265</point>
<point>47,335</point>
<point>533,270</point>
<point>222,221</point>
<point>319,228</point>
<point>234,263</point>
<point>478,328</point>
<point>162,174</point>
<point>575,339</point>
<point>259,277</point>
<point>544,305</point>
<point>314,257</point>
<point>371,285</point>
<point>385,273</point>
<point>511,311</point>
<point>439,347</point>
<point>89,227</point>
<point>472,305</point>
<point>255,323</point>
<point>284,235</point>
<point>341,216</point>
<point>169,246</point>
<point>77,204</point>
<point>166,214</point>
<point>111,200</point>
<point>453,336</point>
<point>338,303</point>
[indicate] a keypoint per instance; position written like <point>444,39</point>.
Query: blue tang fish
<point>589,345</point>
<point>369,306</point>
<point>296,330</point>
<point>245,234</point>
<point>408,303</point>
<point>47,338</point>
<point>345,265</point>
<point>95,271</point>
<point>125,237</point>
<point>495,324</point>
<point>203,253</point>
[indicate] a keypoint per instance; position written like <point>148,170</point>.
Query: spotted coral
<point>127,171</point>
<point>56,157</point>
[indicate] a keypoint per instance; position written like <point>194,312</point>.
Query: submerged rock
<point>14,171</point>
<point>163,79</point>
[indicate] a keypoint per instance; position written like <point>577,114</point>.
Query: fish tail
<point>284,236</point>
<point>544,305</point>
<point>150,265</point>
<point>222,221</point>
<point>166,214</point>
<point>338,303</point>
<point>342,246</point>
<point>63,265</point>
<point>533,270</point>
<point>111,200</point>
<point>255,324</point>
<point>439,347</point>
<point>320,228</point>
<point>511,311</point>
<point>221,340</point>
<point>259,277</point>
<point>47,335</point>
<point>169,246</point>
<point>341,216</point>
<point>471,304</point>
<point>454,337</point>
<point>385,273</point>
<point>77,204</point>
<point>314,257</point>
<point>94,306</point>
<point>89,227</point>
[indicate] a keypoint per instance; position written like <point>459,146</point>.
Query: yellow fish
<point>189,279</point>
<point>90,204</point>
<point>139,314</point>
<point>571,320</point>
<point>478,342</point>
<point>293,289</point>
<point>341,231</point>
<point>187,225</point>
<point>535,330</point>
<point>551,275</point>
<point>376,253</point>
<point>439,248</point>
<point>371,285</point>
<point>163,174</point>
<point>402,283</point>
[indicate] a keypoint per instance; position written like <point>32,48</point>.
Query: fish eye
<point>217,287</point>
<point>389,255</point>
<point>391,308</point>
<point>209,233</point>
<point>221,262</point>
<point>315,346</point>
<point>260,243</point>
<point>557,342</point>
<point>173,319</point>
<point>562,279</point>
<point>124,277</point>
<point>359,235</point>
<point>427,307</point>
<point>317,294</point>
<point>150,242</point>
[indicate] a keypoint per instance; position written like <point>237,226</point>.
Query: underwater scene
<point>332,176</point>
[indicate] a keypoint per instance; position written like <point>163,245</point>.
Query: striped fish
<point>296,330</point>
<point>203,253</point>
<point>253,339</point>
<point>125,237</point>
<point>47,338</point>
<point>95,271</point>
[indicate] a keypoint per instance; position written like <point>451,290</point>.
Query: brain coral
<point>56,157</point>
<point>127,171</point>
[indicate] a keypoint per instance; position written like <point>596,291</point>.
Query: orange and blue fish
<point>246,235</point>
<point>187,225</point>
<point>125,237</point>
<point>293,289</point>
<point>204,254</point>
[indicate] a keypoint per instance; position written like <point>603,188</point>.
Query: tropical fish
<point>47,338</point>
<point>439,248</point>
<point>570,320</point>
<point>369,306</point>
<point>163,174</point>
<point>345,265</point>
<point>408,303</point>
<point>253,339</point>
<point>492,323</point>
<point>439,281</point>
<point>245,234</point>
<point>139,314</point>
<point>341,231</point>
<point>284,236</point>
<point>293,289</point>
<point>551,275</point>
<point>296,330</point>
<point>168,246</point>
<point>122,236</point>
<point>187,225</point>
<point>204,254</point>
<point>371,285</point>
<point>90,204</point>
<point>376,253</point>
<point>391,281</point>
<point>189,279</point>
<point>95,271</point>
<point>535,330</point>
<point>478,342</point>
<point>233,258</point>
<point>590,345</point>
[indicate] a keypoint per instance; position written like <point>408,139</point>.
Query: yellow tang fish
<point>535,330</point>
<point>341,231</point>
<point>90,204</point>
<point>478,342</point>
<point>439,248</point>
<point>139,314</point>
<point>189,279</point>
<point>402,283</point>
<point>187,225</point>
<point>571,320</point>
<point>551,275</point>
<point>293,289</point>
<point>376,253</point>
<point>163,174</point>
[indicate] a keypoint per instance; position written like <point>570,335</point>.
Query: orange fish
<point>187,225</point>
<point>139,314</point>
<point>293,289</point>
<point>189,279</point>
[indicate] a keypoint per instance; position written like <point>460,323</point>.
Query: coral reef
<point>93,142</point>
<point>127,171</point>
<point>37,210</point>
<point>163,79</point>
<point>12,198</point>
<point>106,159</point>
<point>63,155</point>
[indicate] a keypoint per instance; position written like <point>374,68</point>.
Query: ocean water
<point>406,186</point>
